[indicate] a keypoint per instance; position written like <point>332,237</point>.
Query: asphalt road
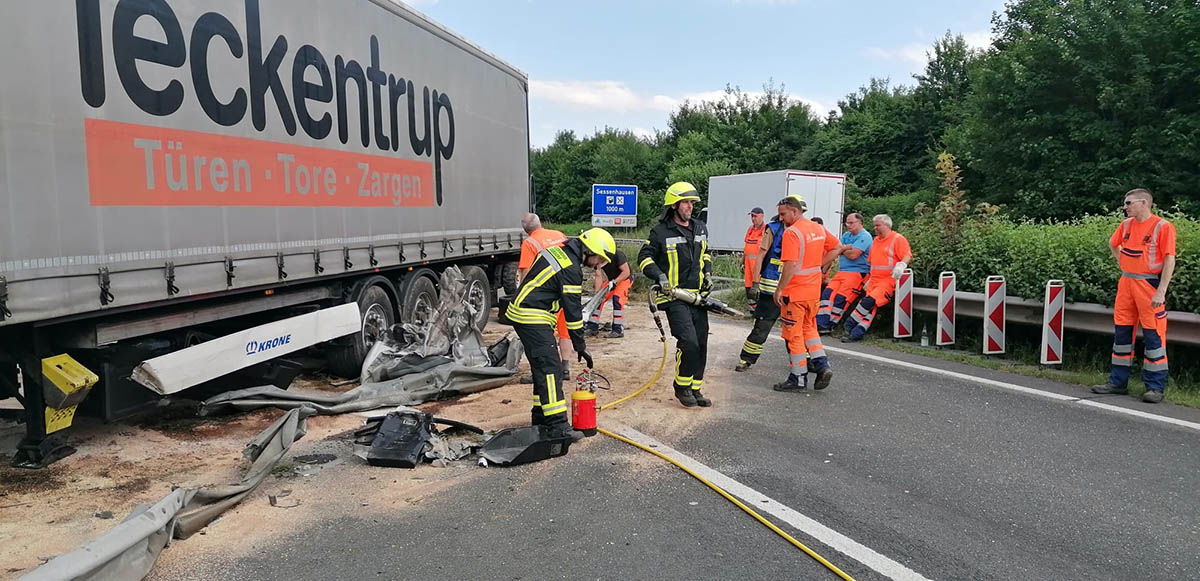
<point>950,478</point>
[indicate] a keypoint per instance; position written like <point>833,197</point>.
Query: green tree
<point>1081,100</point>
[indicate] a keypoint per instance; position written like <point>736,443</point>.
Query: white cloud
<point>917,54</point>
<point>617,97</point>
<point>597,95</point>
<point>980,39</point>
<point>642,132</point>
<point>913,54</point>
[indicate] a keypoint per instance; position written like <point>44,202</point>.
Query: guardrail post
<point>1052,323</point>
<point>994,315</point>
<point>902,325</point>
<point>945,316</point>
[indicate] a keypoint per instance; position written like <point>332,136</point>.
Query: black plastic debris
<point>405,438</point>
<point>513,446</point>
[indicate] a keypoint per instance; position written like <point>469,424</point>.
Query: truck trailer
<point>730,199</point>
<point>175,171</point>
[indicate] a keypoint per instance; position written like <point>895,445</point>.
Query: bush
<point>1029,253</point>
<point>901,207</point>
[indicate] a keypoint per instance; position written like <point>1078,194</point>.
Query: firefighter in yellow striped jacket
<point>676,255</point>
<point>554,283</point>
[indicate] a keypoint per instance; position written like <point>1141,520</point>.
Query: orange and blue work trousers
<point>1132,307</point>
<point>618,296</point>
<point>842,291</point>
<point>805,350</point>
<point>880,290</point>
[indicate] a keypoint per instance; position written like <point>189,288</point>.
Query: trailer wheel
<point>508,279</point>
<point>479,294</point>
<point>420,300</point>
<point>378,315</point>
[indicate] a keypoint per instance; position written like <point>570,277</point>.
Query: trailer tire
<point>479,294</point>
<point>508,279</point>
<point>420,299</point>
<point>378,316</point>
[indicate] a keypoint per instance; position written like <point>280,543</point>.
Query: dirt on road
<point>47,512</point>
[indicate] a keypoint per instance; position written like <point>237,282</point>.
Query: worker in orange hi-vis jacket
<point>889,257</point>
<point>807,248</point>
<point>536,240</point>
<point>1144,246</point>
<point>750,253</point>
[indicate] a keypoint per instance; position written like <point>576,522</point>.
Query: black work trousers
<point>689,326</point>
<point>766,312</point>
<point>541,349</point>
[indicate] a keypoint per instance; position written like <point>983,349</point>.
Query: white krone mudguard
<point>192,366</point>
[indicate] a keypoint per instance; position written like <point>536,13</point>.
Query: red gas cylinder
<point>583,411</point>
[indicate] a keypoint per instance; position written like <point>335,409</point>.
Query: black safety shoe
<point>685,397</point>
<point>824,376</point>
<point>1152,396</point>
<point>562,430</point>
<point>847,338</point>
<point>792,384</point>
<point>615,334</point>
<point>742,366</point>
<point>606,327</point>
<point>591,332</point>
<point>701,401</point>
<point>1110,389</point>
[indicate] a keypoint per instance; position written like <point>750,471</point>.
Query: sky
<point>628,64</point>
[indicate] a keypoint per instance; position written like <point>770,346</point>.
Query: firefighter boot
<point>685,397</point>
<point>792,383</point>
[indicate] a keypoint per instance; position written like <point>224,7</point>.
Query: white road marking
<point>1018,388</point>
<point>763,503</point>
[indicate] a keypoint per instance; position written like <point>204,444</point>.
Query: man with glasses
<point>853,267</point>
<point>1144,247</point>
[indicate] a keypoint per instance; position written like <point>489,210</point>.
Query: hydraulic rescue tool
<point>703,301</point>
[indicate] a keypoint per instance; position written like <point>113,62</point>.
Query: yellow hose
<point>718,489</point>
<point>730,498</point>
<point>658,374</point>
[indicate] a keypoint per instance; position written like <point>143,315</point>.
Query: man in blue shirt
<point>853,267</point>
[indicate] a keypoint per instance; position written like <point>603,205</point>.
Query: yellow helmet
<point>680,191</point>
<point>600,243</point>
<point>799,198</point>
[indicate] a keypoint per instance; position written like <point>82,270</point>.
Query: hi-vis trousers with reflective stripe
<point>805,350</point>
<point>1132,307</point>
<point>766,312</point>
<point>843,290</point>
<point>541,348</point>
<point>881,287</point>
<point>618,296</point>
<point>689,326</point>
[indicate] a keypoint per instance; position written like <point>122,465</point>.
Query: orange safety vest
<point>753,238</point>
<point>537,241</point>
<point>1140,256</point>
<point>883,252</point>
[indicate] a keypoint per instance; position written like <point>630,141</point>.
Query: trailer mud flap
<point>192,366</point>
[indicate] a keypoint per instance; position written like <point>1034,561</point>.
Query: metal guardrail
<point>1182,327</point>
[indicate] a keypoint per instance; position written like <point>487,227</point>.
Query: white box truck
<point>172,171</point>
<point>730,198</point>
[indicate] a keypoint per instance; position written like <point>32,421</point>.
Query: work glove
<point>752,292</point>
<point>585,356</point>
<point>899,270</point>
<point>664,283</point>
<point>706,286</point>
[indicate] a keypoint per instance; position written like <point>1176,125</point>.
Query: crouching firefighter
<point>555,282</point>
<point>676,256</point>
<point>766,279</point>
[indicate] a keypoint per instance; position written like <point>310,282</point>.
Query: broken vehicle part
<point>513,446</point>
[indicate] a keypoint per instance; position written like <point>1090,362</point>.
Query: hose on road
<point>692,473</point>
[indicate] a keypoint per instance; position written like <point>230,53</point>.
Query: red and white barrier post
<point>945,316</point>
<point>902,324</point>
<point>1052,323</point>
<point>994,315</point>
